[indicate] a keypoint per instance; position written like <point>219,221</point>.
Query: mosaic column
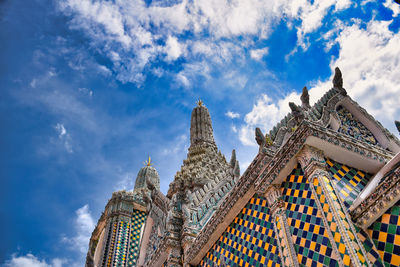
<point>314,166</point>
<point>281,227</point>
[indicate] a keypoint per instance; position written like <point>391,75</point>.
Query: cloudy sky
<point>90,89</point>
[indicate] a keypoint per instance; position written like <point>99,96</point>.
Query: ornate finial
<point>148,162</point>
<point>199,103</point>
<point>397,125</point>
<point>305,99</point>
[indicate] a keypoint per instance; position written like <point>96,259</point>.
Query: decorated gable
<point>351,126</point>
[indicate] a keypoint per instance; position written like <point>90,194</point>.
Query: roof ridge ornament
<point>397,125</point>
<point>297,112</point>
<point>305,99</point>
<point>338,81</point>
<point>200,103</point>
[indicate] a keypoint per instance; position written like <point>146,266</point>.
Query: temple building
<point>323,190</point>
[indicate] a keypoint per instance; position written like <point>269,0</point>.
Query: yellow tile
<point>382,237</point>
<point>342,248</point>
<point>386,218</point>
<point>346,260</point>
<point>361,257</point>
<point>336,237</point>
<point>395,260</point>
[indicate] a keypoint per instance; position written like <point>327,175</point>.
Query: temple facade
<point>323,190</point>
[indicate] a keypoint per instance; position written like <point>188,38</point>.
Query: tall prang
<point>194,195</point>
<point>118,233</point>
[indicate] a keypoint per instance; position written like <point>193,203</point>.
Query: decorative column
<point>281,227</point>
<point>344,236</point>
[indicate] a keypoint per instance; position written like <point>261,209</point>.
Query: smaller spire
<point>397,125</point>
<point>233,158</point>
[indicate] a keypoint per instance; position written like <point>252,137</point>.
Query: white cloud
<point>182,79</point>
<point>85,91</point>
<point>393,6</point>
<point>84,225</point>
<point>234,129</point>
<point>173,48</point>
<point>257,54</point>
<point>131,33</point>
<point>33,83</point>
<point>64,137</point>
<point>180,145</point>
<point>232,115</point>
<point>30,260</point>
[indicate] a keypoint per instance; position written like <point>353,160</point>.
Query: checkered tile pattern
<point>122,244</point>
<point>109,249</point>
<point>348,182</point>
<point>310,238</point>
<point>137,221</point>
<point>332,224</point>
<point>369,247</point>
<point>385,233</point>
<point>248,241</point>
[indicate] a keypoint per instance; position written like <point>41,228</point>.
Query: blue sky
<point>90,89</point>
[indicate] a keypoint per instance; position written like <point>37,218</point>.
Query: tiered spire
<point>201,130</point>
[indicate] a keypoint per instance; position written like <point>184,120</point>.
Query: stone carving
<point>337,79</point>
<point>297,112</point>
<point>387,192</point>
<point>305,99</point>
<point>311,160</point>
<point>260,138</point>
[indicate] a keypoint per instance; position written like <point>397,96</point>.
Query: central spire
<point>200,127</point>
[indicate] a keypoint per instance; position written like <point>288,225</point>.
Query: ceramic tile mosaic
<point>109,249</point>
<point>351,126</point>
<point>121,248</point>
<point>309,235</point>
<point>332,224</point>
<point>385,232</point>
<point>342,220</point>
<point>348,182</point>
<point>137,221</point>
<point>248,241</point>
<point>369,247</point>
